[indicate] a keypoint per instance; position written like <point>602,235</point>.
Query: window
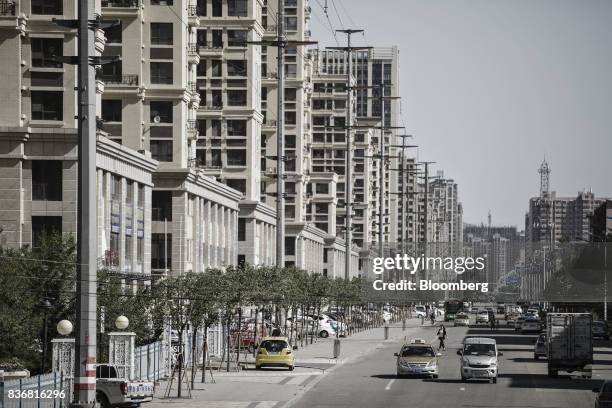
<point>237,184</point>
<point>140,250</point>
<point>47,180</point>
<point>189,245</point>
<point>216,68</point>
<point>47,7</point>
<point>322,188</point>
<point>217,38</point>
<point>237,8</point>
<point>129,248</point>
<point>236,128</point>
<point>324,254</point>
<point>290,118</point>
<point>114,34</point>
<point>158,251</point>
<point>289,245</point>
<point>162,2</point>
<point>290,94</point>
<point>42,226</point>
<point>129,196</point>
<point>236,68</point>
<point>217,8</point>
<point>161,73</point>
<point>291,23</point>
<point>161,205</point>
<point>241,259</point>
<point>161,33</point>
<point>111,110</point>
<point>47,105</point>
<point>202,6</point>
<point>236,157</point>
<point>236,38</point>
<point>163,109</point>
<point>44,50</point>
<point>236,97</point>
<point>241,229</point>
<point>161,150</point>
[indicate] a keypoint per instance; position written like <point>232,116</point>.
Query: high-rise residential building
<point>157,211</point>
<point>230,118</point>
<point>371,69</point>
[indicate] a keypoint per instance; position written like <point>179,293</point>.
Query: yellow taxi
<point>275,352</point>
<point>417,358</point>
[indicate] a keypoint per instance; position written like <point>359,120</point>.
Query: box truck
<point>569,343</point>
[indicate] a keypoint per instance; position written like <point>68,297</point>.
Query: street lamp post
<point>44,305</point>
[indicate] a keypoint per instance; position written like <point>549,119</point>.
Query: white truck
<point>569,343</point>
<point>112,391</point>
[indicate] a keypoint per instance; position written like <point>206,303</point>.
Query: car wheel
<point>463,379</point>
<point>494,380</point>
<point>435,376</point>
<point>553,373</point>
<point>257,367</point>
<point>535,356</point>
<point>102,400</point>
<point>291,368</point>
<point>324,334</point>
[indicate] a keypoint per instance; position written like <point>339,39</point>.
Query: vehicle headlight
<point>465,363</point>
<point>432,364</point>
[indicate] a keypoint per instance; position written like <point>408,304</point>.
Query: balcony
<point>192,129</point>
<point>193,53</point>
<point>126,80</point>
<point>193,18</point>
<point>269,125</point>
<point>7,8</point>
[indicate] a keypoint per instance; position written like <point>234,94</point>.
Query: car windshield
<point>606,388</point>
<point>462,316</point>
<point>479,349</point>
<point>418,351</point>
<point>599,324</point>
<point>274,346</point>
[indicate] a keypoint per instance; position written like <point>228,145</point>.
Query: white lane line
<point>462,389</point>
<point>389,384</point>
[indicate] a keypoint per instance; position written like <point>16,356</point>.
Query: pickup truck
<point>569,343</point>
<point>112,391</point>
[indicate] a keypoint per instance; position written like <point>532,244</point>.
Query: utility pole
<point>426,211</point>
<point>86,299</point>
<point>280,43</point>
<point>402,192</point>
<point>349,145</point>
<point>280,137</point>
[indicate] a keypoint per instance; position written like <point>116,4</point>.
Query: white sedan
<point>462,319</point>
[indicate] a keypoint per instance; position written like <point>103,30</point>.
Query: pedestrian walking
<point>442,337</point>
<point>432,317</point>
<point>493,322</point>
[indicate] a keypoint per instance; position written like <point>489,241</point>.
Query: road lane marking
<point>462,389</point>
<point>389,384</point>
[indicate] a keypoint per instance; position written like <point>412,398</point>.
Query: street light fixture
<point>64,327</point>
<point>122,322</point>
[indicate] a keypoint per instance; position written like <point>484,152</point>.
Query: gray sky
<point>490,86</point>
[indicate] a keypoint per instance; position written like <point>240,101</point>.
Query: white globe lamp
<point>122,322</point>
<point>64,327</point>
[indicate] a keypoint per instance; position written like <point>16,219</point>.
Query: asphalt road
<point>522,381</point>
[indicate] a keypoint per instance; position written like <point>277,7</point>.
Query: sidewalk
<point>278,387</point>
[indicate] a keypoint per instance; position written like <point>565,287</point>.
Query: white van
<point>479,359</point>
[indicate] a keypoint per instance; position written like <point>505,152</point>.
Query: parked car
<point>519,322</point>
<point>539,348</point>
<point>603,399</point>
<point>462,319</point>
<point>474,310</point>
<point>600,330</point>
<point>479,359</point>
<point>112,391</point>
<point>511,319</point>
<point>275,352</point>
<point>482,317</point>
<point>417,358</point>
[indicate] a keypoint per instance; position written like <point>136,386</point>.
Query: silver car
<point>479,359</point>
<point>539,348</point>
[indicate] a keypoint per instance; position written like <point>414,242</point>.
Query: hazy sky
<point>491,86</point>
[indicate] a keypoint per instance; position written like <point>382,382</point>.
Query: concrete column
<point>101,227</point>
<point>123,195</point>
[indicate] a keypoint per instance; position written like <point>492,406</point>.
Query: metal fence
<point>151,361</point>
<point>51,390</point>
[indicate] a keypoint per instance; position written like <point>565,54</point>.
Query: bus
<point>451,308</point>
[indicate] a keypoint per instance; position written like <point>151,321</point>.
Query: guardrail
<point>53,390</point>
